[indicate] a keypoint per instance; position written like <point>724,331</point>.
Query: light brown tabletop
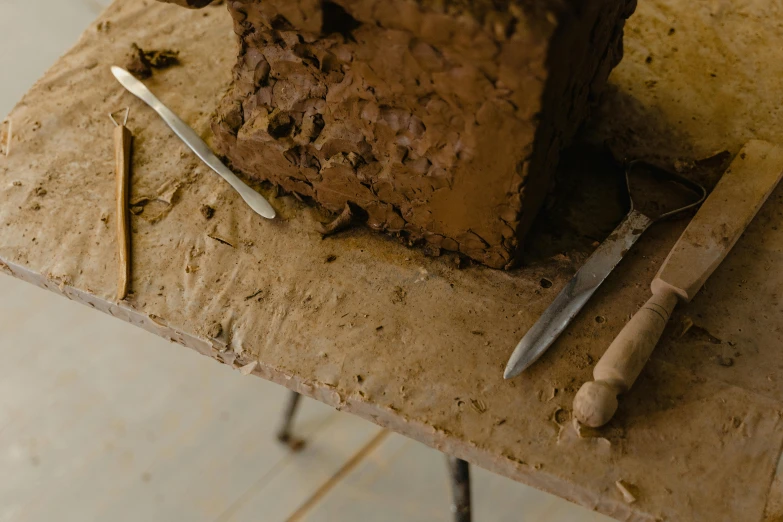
<point>417,344</point>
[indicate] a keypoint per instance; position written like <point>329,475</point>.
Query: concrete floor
<point>149,431</point>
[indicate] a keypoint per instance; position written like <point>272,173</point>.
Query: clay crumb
<point>478,405</point>
<point>215,330</point>
<point>685,325</point>
<point>248,368</point>
<point>330,258</point>
<point>158,320</point>
<point>627,495</point>
<point>477,332</point>
<point>586,432</point>
<point>512,458</point>
<point>399,295</point>
<point>378,328</point>
<point>137,209</point>
<point>207,211</point>
<point>342,222</point>
<point>141,63</point>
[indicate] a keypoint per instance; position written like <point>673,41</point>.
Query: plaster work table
<point>413,343</point>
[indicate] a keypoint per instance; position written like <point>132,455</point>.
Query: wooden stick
<point>123,142</point>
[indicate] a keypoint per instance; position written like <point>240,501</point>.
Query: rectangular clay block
<point>442,119</point>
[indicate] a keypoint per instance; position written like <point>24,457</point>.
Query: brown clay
<point>445,127</point>
<point>141,63</point>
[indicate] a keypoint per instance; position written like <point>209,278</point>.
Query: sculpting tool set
<point>123,140</point>
<point>709,237</point>
<point>712,233</point>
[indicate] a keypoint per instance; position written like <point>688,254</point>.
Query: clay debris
<point>342,222</point>
<point>142,63</point>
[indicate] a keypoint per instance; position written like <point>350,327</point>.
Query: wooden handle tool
<point>123,144</point>
<point>711,234</point>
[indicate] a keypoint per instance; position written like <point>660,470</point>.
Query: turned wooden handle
<point>123,141</point>
<point>596,401</point>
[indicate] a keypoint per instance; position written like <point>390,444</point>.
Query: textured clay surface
<point>443,124</point>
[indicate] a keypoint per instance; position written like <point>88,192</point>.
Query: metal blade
<point>255,200</point>
<point>576,293</point>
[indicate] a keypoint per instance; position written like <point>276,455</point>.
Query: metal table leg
<point>459,470</point>
<point>284,434</point>
<point>460,489</point>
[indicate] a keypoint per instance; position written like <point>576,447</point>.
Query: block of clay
<point>441,120</point>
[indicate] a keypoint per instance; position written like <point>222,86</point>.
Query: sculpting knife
<point>709,237</point>
<point>255,200</point>
<point>643,182</point>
